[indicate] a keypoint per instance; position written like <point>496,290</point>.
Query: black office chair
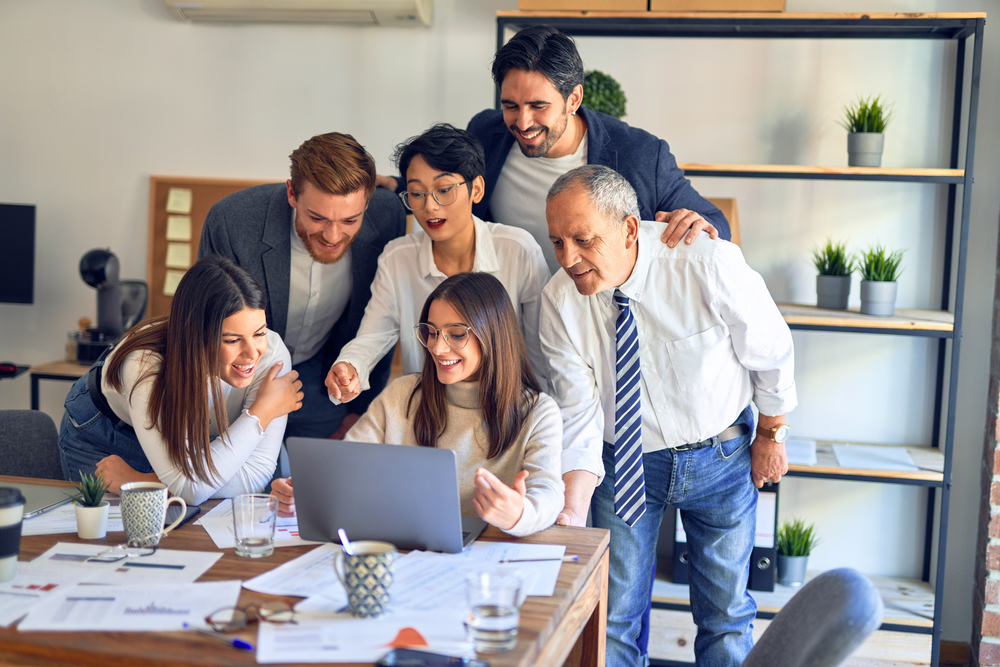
<point>134,295</point>
<point>29,445</point>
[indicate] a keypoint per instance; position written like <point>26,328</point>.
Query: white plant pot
<point>864,149</point>
<point>92,522</point>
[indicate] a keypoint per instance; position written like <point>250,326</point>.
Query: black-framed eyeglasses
<point>121,552</point>
<point>445,196</point>
<point>231,619</point>
<point>456,336</point>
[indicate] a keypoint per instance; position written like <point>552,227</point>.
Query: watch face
<point>781,433</point>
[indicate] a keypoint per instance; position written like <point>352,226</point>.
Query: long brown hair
<point>508,388</point>
<point>189,342</point>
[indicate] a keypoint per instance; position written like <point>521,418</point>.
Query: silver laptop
<point>404,495</point>
<point>39,498</point>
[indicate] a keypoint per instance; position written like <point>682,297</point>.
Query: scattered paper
<point>800,451</point>
<point>218,523</point>
<point>171,281</point>
<point>129,608</point>
<point>179,200</point>
<point>165,565</point>
<point>343,638</point>
<point>32,583</point>
<point>178,228</point>
<point>62,519</point>
<point>309,574</point>
<point>874,458</point>
<point>178,255</point>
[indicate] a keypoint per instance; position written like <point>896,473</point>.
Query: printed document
<point>31,585</point>
<point>147,607</point>
<point>163,566</point>
<point>62,519</point>
<point>874,458</point>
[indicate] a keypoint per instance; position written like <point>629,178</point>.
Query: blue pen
<point>232,641</point>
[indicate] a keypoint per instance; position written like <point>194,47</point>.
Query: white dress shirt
<point>407,275</point>
<point>710,340</point>
<point>246,460</point>
<point>317,296</point>
<point>518,198</point>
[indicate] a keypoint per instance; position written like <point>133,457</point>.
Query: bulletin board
<point>174,233</point>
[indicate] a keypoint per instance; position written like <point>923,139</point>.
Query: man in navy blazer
<point>313,245</point>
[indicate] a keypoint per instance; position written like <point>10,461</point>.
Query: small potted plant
<point>865,122</point>
<point>602,93</point>
<point>795,542</point>
<point>833,284</point>
<point>91,508</point>
<point>879,271</point>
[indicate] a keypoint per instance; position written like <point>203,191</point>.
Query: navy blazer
<point>253,228</point>
<point>644,160</point>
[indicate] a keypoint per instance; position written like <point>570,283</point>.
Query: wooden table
<point>55,370</point>
<point>569,625</point>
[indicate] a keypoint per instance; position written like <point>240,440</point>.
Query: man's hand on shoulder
<point>684,224</point>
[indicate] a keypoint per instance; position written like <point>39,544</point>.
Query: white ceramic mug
<point>144,508</point>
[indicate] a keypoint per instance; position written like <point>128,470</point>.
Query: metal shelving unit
<point>944,325</point>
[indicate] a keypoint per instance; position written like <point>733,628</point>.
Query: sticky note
<point>178,228</point>
<point>179,200</point>
<point>170,282</point>
<point>178,255</point>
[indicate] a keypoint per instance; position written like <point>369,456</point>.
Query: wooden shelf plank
<point>807,170</point>
<point>740,15</point>
<point>912,319</point>
<point>908,602</point>
<point>929,459</point>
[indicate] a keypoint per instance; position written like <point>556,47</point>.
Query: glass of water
<point>253,523</point>
<point>493,599</point>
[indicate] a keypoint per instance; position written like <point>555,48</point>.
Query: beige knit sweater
<point>538,448</point>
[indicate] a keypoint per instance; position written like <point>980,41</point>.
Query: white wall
<point>95,97</point>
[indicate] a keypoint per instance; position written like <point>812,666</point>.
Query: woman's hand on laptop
<point>281,489</point>
<point>342,381</point>
<point>497,503</point>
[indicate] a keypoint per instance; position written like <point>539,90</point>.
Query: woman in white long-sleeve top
<point>443,168</point>
<point>478,397</point>
<point>197,400</point>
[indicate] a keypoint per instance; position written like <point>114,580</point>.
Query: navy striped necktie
<point>630,486</point>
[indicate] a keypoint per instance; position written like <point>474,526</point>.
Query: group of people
<point>570,326</point>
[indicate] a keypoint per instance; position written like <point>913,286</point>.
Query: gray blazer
<point>251,227</point>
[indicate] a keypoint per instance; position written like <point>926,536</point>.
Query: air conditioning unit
<point>357,12</point>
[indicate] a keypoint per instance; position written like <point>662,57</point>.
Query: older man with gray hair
<point>655,356</point>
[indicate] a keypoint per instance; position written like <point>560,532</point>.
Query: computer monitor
<point>17,240</point>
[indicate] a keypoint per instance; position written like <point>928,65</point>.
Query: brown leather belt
<point>730,433</point>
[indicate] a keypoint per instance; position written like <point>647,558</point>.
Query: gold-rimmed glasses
<point>444,196</point>
<point>456,336</point>
<point>231,619</point>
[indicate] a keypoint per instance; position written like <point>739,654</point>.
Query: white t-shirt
<point>317,296</point>
<point>519,196</point>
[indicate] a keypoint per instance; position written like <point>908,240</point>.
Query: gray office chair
<point>29,445</point>
<point>822,624</point>
<point>134,294</point>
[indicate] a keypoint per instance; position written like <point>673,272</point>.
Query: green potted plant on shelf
<point>879,269</point>
<point>91,508</point>
<point>833,284</point>
<point>795,541</point>
<point>602,93</point>
<point>865,122</point>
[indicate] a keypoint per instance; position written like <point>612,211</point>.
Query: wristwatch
<point>777,433</point>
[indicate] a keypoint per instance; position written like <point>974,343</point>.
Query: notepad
<point>800,451</point>
<point>869,457</point>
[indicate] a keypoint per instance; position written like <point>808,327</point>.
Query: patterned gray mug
<point>367,576</point>
<point>144,509</point>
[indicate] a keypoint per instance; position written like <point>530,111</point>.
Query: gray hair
<point>612,195</point>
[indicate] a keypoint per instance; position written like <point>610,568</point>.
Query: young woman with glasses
<point>197,400</point>
<point>444,170</point>
<point>478,397</point>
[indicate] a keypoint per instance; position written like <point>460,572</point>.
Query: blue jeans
<point>86,436</point>
<point>713,490</point>
<point>318,417</point>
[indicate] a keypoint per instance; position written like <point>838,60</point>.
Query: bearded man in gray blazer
<point>313,245</point>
